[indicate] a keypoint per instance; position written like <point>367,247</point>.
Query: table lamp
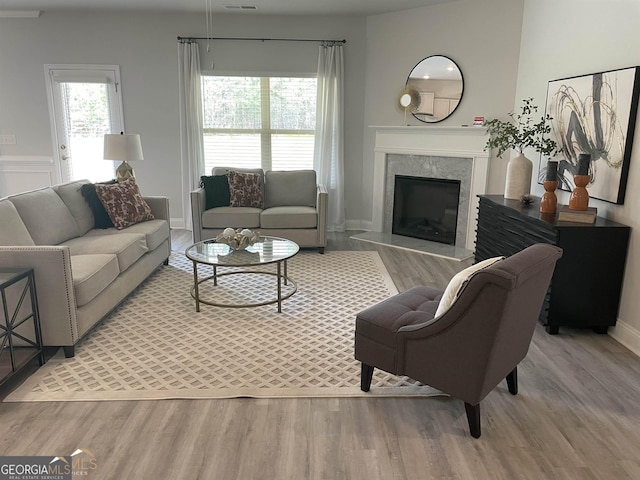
<point>123,147</point>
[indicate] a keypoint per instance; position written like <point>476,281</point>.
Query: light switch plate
<point>7,139</point>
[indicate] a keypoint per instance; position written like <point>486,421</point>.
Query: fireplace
<point>452,153</point>
<point>426,208</point>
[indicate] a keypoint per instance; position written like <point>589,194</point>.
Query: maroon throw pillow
<point>245,189</point>
<point>123,203</point>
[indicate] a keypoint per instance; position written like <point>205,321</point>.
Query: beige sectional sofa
<point>295,207</point>
<point>81,273</point>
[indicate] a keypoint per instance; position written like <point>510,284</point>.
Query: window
<point>253,122</point>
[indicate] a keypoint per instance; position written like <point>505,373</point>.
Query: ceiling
<point>263,7</point>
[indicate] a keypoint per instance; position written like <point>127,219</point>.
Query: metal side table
<point>20,336</point>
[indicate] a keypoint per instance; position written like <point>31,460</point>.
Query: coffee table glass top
<point>267,250</point>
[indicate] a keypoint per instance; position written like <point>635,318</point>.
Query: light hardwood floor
<point>577,416</point>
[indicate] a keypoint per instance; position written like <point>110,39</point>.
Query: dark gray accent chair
<point>469,349</point>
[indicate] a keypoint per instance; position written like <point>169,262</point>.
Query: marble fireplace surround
<point>430,151</point>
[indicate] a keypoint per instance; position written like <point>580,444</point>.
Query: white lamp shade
<point>124,147</point>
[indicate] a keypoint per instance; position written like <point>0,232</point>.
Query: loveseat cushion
<point>13,231</point>
<point>246,189</point>
<point>124,203</point>
<point>291,188</point>
<point>216,191</point>
<point>235,217</point>
<point>71,195</point>
<point>155,232</point>
<point>100,215</point>
<point>127,247</point>
<point>46,217</point>
<point>92,274</point>
<point>289,217</point>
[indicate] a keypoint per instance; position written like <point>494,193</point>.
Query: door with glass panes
<point>85,103</point>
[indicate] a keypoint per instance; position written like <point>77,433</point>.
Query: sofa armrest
<point>159,207</point>
<point>54,289</point>
<point>321,206</point>
<point>197,208</point>
<point>160,210</point>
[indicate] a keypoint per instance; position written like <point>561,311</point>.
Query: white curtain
<point>329,142</point>
<point>191,143</point>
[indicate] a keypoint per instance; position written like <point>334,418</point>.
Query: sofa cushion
<point>235,217</point>
<point>45,215</point>
<point>292,188</point>
<point>13,231</point>
<point>71,195</point>
<point>92,274</point>
<point>216,191</point>
<point>124,204</point>
<point>246,189</point>
<point>289,217</point>
<point>100,215</point>
<point>459,281</point>
<point>128,247</point>
<point>155,232</point>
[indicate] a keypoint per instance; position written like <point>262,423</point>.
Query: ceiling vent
<point>241,7</point>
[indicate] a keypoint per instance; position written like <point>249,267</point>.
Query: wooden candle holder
<point>580,197</point>
<point>549,201</point>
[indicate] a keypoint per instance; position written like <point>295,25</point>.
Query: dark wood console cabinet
<point>587,282</point>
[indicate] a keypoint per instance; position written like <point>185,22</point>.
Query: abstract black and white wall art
<point>594,114</point>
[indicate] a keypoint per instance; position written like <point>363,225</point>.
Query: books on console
<point>581,216</point>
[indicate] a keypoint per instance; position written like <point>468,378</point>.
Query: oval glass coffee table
<point>268,250</point>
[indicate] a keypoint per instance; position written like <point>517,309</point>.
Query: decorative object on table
<point>125,148</point>
<point>579,199</point>
<point>519,133</point>
<point>409,100</point>
<point>595,114</point>
<point>478,121</point>
<point>549,201</point>
<point>526,199</point>
<point>566,214</point>
<point>238,239</point>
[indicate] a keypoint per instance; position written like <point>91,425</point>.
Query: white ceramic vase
<point>518,181</point>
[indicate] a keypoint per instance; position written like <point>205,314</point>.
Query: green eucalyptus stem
<point>521,132</point>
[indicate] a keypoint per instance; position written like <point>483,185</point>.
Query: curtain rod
<point>262,39</point>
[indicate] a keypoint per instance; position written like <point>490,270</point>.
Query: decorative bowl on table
<point>238,239</point>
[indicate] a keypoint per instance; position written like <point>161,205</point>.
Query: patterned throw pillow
<point>245,189</point>
<point>124,204</point>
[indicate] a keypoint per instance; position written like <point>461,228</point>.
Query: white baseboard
<point>177,223</point>
<point>366,225</point>
<point>627,336</point>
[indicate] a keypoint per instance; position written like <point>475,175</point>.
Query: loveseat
<point>288,204</point>
<point>81,272</point>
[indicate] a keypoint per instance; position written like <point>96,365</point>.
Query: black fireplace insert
<point>426,208</point>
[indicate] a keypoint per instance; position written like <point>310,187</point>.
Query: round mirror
<point>439,83</point>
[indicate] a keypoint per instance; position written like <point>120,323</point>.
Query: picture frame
<point>594,114</point>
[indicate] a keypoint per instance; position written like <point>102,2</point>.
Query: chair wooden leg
<point>473,417</point>
<point>512,381</point>
<point>366,374</point>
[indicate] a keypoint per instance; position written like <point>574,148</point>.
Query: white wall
<point>481,36</point>
<point>575,37</point>
<point>145,47</point>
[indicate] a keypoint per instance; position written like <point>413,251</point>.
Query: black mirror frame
<point>461,92</point>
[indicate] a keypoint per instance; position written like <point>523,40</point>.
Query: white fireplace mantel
<point>456,142</point>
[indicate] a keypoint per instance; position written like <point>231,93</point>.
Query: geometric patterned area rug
<point>156,346</point>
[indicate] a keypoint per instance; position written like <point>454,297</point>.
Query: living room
<point>506,49</point>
